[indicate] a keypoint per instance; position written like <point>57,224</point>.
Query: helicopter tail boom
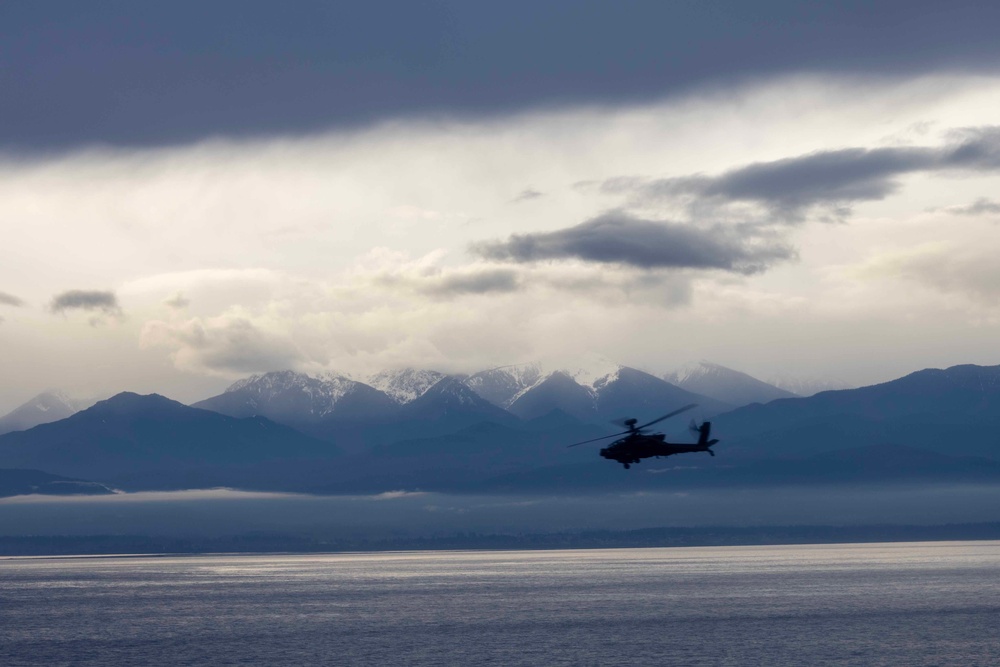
<point>703,433</point>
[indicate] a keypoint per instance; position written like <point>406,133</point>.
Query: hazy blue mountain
<point>153,442</point>
<point>493,458</point>
<point>884,465</point>
<point>725,384</point>
<point>928,427</point>
<point>625,392</point>
<point>450,402</point>
<point>501,386</point>
<point>297,399</point>
<point>634,393</point>
<point>445,407</point>
<point>48,406</point>
<point>466,459</point>
<point>952,411</point>
<point>558,391</point>
<point>805,385</point>
<point>357,416</point>
<point>19,482</point>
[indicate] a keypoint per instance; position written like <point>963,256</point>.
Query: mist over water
<point>224,512</point>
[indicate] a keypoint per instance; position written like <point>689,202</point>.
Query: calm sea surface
<point>883,604</point>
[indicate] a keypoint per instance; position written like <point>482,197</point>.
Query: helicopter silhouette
<point>637,445</point>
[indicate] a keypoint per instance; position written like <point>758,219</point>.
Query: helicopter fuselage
<point>633,448</point>
<point>637,445</point>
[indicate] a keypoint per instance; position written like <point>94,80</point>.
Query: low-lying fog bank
<point>221,512</point>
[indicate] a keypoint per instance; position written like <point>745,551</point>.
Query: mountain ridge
<point>725,384</point>
<point>130,434</point>
<point>48,406</point>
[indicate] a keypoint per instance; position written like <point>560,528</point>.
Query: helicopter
<point>637,445</point>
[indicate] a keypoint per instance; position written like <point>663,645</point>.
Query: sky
<point>191,193</point>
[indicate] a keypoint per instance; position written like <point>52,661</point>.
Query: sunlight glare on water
<point>900,604</point>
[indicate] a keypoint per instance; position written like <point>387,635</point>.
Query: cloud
<point>137,212</point>
<point>224,344</point>
<point>426,277</point>
<point>10,300</point>
<point>182,281</point>
<point>484,281</point>
<point>89,300</point>
<point>496,285</point>
<point>787,190</point>
<point>527,194</point>
<point>393,495</point>
<point>945,267</point>
<point>177,302</point>
<point>220,287</point>
<point>619,238</point>
<point>981,206</point>
<point>452,57</point>
<point>440,283</point>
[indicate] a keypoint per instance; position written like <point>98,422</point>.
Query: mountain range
<point>299,399</point>
<point>331,434</point>
<point>149,442</point>
<point>951,411</point>
<point>409,403</point>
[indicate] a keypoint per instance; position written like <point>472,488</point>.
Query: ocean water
<point>910,604</point>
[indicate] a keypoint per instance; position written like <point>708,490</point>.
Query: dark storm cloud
<point>88,300</point>
<point>10,300</point>
<point>618,238</point>
<point>141,73</point>
<point>832,180</point>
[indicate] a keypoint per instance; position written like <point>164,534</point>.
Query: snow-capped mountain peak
<point>281,392</point>
<point>502,385</point>
<point>54,399</point>
<point>688,371</point>
<point>600,383</point>
<point>597,372</point>
<point>405,385</point>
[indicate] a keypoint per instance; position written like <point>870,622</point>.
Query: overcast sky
<point>193,192</point>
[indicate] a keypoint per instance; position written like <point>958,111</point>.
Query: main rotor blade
<point>667,416</point>
<point>638,428</point>
<point>603,437</point>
